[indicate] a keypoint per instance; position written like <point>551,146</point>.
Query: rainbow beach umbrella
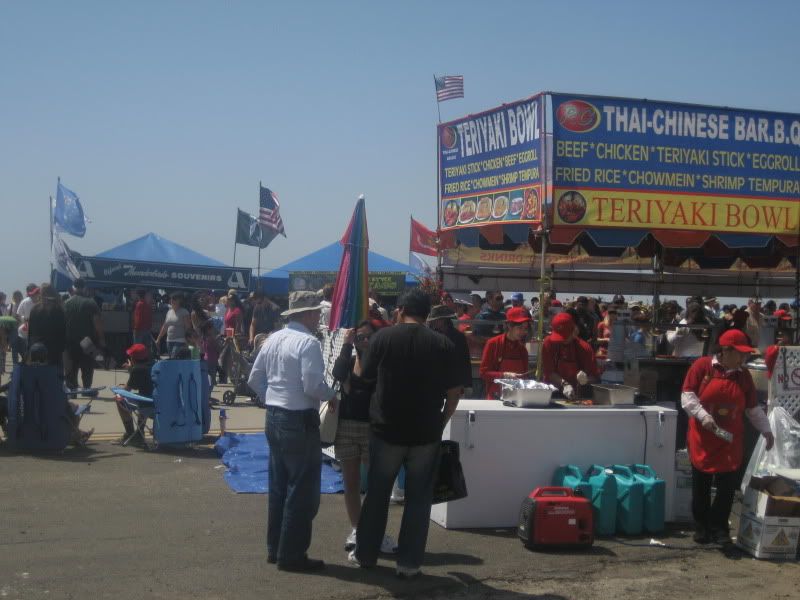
<point>349,304</point>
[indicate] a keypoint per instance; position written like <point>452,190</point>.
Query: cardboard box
<point>682,504</point>
<point>776,539</point>
<point>762,505</point>
<point>682,462</point>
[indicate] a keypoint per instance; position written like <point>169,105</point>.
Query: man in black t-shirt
<point>417,388</point>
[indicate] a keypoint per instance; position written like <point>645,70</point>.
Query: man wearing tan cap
<point>288,374</point>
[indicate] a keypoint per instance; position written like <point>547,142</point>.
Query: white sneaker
<point>350,542</point>
<point>351,558</point>
<point>388,545</point>
<point>398,495</point>
<point>407,572</point>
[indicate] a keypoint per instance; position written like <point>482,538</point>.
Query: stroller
<point>237,364</point>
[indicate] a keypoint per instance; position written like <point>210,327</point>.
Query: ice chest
<point>654,491</point>
<point>630,501</point>
<point>555,516</point>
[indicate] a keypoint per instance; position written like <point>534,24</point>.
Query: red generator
<point>555,516</point>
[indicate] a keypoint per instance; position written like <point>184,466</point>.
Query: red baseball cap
<point>733,338</point>
<point>782,315</point>
<point>555,302</point>
<point>563,326</point>
<point>138,352</point>
<point>517,314</point>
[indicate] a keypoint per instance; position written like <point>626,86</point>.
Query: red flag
<point>423,240</point>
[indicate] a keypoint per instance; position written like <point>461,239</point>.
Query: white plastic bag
<point>785,454</point>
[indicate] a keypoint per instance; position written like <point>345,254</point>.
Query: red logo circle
<point>449,137</point>
<point>578,116</point>
<point>571,207</point>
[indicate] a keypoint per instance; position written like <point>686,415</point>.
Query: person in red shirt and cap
<point>717,394</point>
<point>505,355</point>
<point>567,361</point>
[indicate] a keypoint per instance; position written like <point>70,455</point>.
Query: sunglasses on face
<point>362,338</point>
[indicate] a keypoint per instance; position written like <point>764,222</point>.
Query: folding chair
<point>81,409</point>
<point>141,409</point>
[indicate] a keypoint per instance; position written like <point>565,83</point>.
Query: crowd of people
<point>400,374</point>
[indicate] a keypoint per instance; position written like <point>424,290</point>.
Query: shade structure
<point>349,303</point>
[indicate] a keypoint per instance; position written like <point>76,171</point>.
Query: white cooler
<point>506,452</point>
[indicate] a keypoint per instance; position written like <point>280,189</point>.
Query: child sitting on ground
<point>139,381</point>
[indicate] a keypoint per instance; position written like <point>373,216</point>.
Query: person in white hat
<point>288,374</point>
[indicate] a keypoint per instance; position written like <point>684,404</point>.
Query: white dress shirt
<point>289,372</point>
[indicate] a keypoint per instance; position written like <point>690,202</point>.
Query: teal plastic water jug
<point>654,492</point>
<point>570,476</point>
<point>603,486</point>
<point>630,500</point>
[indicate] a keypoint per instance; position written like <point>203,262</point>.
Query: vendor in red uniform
<point>567,361</point>
<point>505,355</point>
<point>717,394</point>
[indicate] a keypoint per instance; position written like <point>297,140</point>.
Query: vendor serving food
<point>717,393</point>
<point>567,361</point>
<point>505,355</point>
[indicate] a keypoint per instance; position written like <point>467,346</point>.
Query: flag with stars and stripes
<point>449,87</point>
<point>269,213</point>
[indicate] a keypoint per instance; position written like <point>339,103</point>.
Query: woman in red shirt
<point>717,394</point>
<point>505,355</point>
<point>567,361</point>
<point>234,316</point>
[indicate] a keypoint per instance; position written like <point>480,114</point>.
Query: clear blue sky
<point>163,116</point>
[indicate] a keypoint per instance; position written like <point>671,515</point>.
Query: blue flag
<point>68,212</point>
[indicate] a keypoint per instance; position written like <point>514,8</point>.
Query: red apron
<point>721,395</point>
<point>507,364</point>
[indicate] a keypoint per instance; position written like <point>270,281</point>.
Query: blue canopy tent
<point>154,248</point>
<point>327,260</point>
<point>153,261</point>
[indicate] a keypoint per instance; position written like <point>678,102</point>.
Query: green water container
<point>654,494</point>
<point>603,496</point>
<point>570,476</point>
<point>630,500</point>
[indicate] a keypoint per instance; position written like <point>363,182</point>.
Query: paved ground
<point>113,522</point>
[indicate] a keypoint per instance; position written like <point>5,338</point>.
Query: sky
<point>163,116</point>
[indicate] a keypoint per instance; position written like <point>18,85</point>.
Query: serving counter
<point>506,452</point>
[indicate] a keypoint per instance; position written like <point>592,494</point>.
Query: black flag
<point>250,233</point>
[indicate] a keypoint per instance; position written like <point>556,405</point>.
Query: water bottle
<point>223,418</point>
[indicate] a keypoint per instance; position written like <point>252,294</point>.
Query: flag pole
<point>234,238</point>
<point>50,211</point>
<point>438,110</point>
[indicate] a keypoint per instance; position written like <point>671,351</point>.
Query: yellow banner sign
<point>688,212</point>
<point>521,257</point>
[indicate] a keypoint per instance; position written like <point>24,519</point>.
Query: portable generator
<point>555,516</point>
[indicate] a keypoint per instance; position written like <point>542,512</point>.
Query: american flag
<point>269,213</point>
<point>449,87</point>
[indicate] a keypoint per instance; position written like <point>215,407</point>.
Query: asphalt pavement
<point>115,522</point>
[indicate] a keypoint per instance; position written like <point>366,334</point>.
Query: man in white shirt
<point>24,309</point>
<point>289,375</point>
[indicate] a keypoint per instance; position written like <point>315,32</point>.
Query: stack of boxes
<point>769,525</point>
<point>682,498</point>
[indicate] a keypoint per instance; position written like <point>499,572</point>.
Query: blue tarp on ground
<point>246,456</point>
<point>327,259</point>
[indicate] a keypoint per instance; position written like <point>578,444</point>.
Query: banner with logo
<point>129,273</point>
<point>490,166</point>
<point>657,165</point>
<point>386,283</point>
<point>464,255</point>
